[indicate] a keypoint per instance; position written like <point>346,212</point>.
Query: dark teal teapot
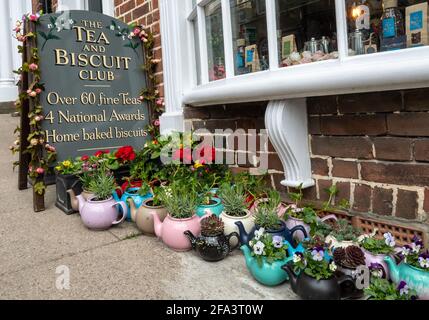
<point>284,232</point>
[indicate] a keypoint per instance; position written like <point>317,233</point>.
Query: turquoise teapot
<point>300,248</point>
<point>131,193</point>
<point>415,278</point>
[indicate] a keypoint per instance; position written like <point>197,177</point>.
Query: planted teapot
<point>131,193</point>
<point>283,231</point>
<point>100,215</point>
<point>143,217</point>
<point>213,244</point>
<point>309,288</point>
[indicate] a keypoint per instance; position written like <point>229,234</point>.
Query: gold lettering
<point>61,54</point>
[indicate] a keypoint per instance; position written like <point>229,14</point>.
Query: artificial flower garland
<point>42,154</point>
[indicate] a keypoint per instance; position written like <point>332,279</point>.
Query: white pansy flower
<point>258,248</point>
<point>296,258</point>
<point>259,233</point>
<point>333,267</point>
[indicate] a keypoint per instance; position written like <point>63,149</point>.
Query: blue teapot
<point>284,232</point>
<point>132,193</point>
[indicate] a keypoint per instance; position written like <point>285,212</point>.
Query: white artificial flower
<point>333,266</point>
<point>296,258</point>
<point>112,27</point>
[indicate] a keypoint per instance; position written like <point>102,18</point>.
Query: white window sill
<point>404,69</point>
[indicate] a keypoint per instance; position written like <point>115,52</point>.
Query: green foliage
<point>268,248</point>
<point>376,246</point>
<point>342,230</point>
<point>181,200</point>
<point>39,188</point>
<point>68,167</point>
<point>212,226</point>
<point>266,212</point>
<point>382,289</point>
<point>320,270</point>
<point>233,199</point>
<point>102,185</point>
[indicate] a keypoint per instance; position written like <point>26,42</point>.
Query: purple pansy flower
<point>377,270</point>
<point>403,288</point>
<point>278,242</point>
<point>318,253</point>
<point>389,239</point>
<point>424,260</point>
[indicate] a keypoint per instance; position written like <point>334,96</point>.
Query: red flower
<point>126,154</point>
<point>206,155</point>
<point>183,154</point>
<point>84,158</point>
<point>101,152</point>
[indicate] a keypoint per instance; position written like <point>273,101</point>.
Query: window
<point>249,35</point>
<point>45,5</point>
<point>95,5</point>
<point>376,26</point>
<point>215,41</point>
<point>306,31</point>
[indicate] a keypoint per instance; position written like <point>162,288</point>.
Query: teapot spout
<point>191,238</point>
<point>73,200</point>
<point>81,200</point>
<point>116,196</point>
<point>393,268</point>
<point>247,254</point>
<point>244,236</point>
<point>157,224</point>
<point>292,276</point>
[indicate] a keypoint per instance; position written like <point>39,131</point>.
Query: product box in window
<point>417,25</point>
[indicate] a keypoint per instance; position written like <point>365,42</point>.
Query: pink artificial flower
<point>29,91</point>
<point>30,169</point>
<point>33,17</point>
<point>33,67</point>
<point>38,118</point>
<point>160,101</point>
<point>40,170</point>
<point>33,94</point>
<point>141,98</point>
<point>137,31</point>
<point>38,91</point>
<point>156,123</point>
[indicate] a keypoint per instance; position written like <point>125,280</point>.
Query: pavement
<point>120,263</point>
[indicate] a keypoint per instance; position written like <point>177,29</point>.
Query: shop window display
<point>306,31</point>
<point>386,25</point>
<point>249,36</point>
<point>215,47</point>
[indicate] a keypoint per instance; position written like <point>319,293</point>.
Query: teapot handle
<point>124,210</point>
<point>233,234</point>
<point>299,228</point>
<point>345,278</point>
<point>329,217</point>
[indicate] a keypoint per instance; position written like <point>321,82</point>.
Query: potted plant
<point>348,260</point>
<point>413,268</point>
<point>101,211</point>
<point>342,234</point>
<point>143,215</point>
<point>212,245</point>
<point>265,257</point>
<point>235,209</point>
<point>209,203</point>
<point>312,277</point>
<point>181,201</point>
<point>66,174</point>
<point>298,215</point>
<point>382,289</point>
<point>377,249</point>
<point>267,219</point>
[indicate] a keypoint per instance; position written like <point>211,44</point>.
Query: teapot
<point>100,215</point>
<point>131,193</point>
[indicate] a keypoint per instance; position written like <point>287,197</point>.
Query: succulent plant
<point>211,226</point>
<point>350,257</point>
<point>233,199</point>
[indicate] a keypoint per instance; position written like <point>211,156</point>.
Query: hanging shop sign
<point>92,77</point>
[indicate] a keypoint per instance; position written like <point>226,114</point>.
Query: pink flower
<point>40,170</point>
<point>29,91</point>
<point>141,98</point>
<point>160,102</point>
<point>38,91</point>
<point>33,67</point>
<point>156,123</point>
<point>137,31</point>
<point>30,169</point>
<point>38,118</point>
<point>33,94</point>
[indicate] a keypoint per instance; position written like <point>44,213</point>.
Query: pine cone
<point>339,256</point>
<point>354,257</point>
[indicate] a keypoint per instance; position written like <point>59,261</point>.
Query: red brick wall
<point>373,146</point>
<point>146,13</point>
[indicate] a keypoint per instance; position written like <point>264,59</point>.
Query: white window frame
<point>108,6</point>
<point>401,69</point>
